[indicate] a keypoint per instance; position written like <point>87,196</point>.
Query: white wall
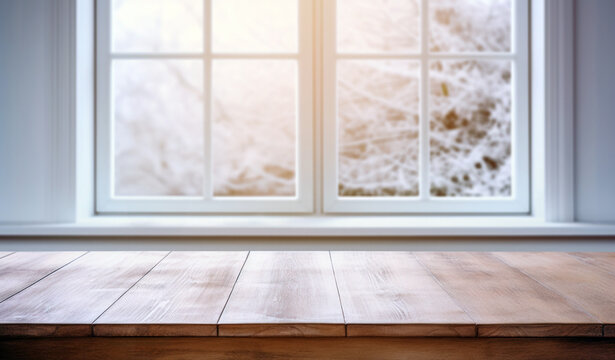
<point>595,110</point>
<point>33,177</point>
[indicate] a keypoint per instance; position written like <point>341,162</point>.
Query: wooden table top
<point>298,294</point>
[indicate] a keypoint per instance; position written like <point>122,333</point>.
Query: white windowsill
<point>298,226</point>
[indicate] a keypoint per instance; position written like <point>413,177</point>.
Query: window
<point>216,106</point>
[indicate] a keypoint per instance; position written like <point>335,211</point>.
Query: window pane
<point>157,26</point>
<point>470,126</point>
<point>261,26</point>
<point>378,127</point>
<point>254,127</point>
<point>378,26</point>
<point>158,127</point>
<point>470,25</point>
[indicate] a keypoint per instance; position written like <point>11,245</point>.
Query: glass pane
<point>470,108</point>
<point>158,127</point>
<point>260,26</point>
<point>378,112</point>
<point>157,26</point>
<point>378,26</point>
<point>254,127</point>
<point>470,25</point>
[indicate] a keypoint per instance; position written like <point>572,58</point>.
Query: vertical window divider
<point>207,85</point>
<point>424,105</point>
<point>318,116</point>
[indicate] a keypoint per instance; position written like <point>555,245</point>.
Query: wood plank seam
<point>3,256</point>
<point>51,273</point>
<point>586,261</point>
<point>458,303</point>
<point>231,293</point>
<point>550,288</point>
<point>124,293</point>
<point>339,296</point>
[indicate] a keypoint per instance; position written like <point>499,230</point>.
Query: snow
<point>469,25</point>
<point>378,127</point>
<point>378,26</point>
<point>254,127</point>
<point>158,127</point>
<point>470,145</point>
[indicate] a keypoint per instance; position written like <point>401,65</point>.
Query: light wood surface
<point>76,294</point>
<point>308,294</point>
<point>102,348</point>
<point>284,294</point>
<point>502,300</point>
<point>23,269</point>
<point>590,287</point>
<point>391,294</point>
<point>183,296</point>
<point>603,260</point>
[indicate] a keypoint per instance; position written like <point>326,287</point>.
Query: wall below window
<point>595,111</point>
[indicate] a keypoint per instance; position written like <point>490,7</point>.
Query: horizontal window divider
<point>202,55</point>
<point>157,56</point>
<point>430,56</point>
<point>472,56</point>
<point>255,56</point>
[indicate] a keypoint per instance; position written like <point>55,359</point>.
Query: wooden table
<point>307,305</point>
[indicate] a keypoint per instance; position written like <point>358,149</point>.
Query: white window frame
<point>518,203</point>
<point>317,173</point>
<point>301,203</point>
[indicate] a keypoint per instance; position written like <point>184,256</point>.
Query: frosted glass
<point>470,25</point>
<point>378,112</point>
<point>470,138</point>
<point>378,26</point>
<point>254,127</point>
<point>158,127</point>
<point>157,25</point>
<point>260,26</point>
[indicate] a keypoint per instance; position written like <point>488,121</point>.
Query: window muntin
<point>362,69</point>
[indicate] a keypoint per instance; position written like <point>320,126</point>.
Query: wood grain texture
<point>183,296</point>
<point>609,331</point>
<point>44,330</point>
<point>494,293</point>
<point>391,294</point>
<point>604,260</point>
<point>76,294</point>
<point>540,330</point>
<point>590,287</point>
<point>23,269</point>
<point>100,348</point>
<point>284,294</point>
